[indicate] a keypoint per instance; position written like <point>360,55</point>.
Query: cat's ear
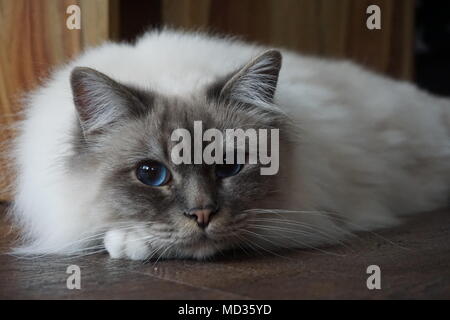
<point>254,83</point>
<point>99,100</point>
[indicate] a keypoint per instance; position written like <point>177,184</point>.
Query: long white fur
<point>359,133</point>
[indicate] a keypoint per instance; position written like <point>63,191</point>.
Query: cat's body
<point>366,150</point>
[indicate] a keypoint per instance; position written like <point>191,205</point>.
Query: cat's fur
<point>358,150</point>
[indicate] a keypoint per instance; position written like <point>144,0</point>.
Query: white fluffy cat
<point>368,150</point>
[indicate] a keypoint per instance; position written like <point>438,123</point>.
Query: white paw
<point>130,244</point>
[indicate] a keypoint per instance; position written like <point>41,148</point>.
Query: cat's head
<point>124,135</point>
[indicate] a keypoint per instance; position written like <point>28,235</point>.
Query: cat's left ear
<point>254,83</point>
<point>101,101</point>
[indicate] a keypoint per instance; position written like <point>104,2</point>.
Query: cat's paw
<point>128,244</point>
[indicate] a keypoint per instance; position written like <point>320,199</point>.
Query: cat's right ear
<point>254,83</point>
<point>99,100</point>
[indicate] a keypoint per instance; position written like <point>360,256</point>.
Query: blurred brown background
<point>34,37</point>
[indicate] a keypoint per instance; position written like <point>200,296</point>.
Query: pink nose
<point>202,216</point>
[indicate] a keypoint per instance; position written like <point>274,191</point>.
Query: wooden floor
<point>414,261</point>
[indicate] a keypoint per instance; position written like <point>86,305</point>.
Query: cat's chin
<point>198,253</point>
<point>199,250</point>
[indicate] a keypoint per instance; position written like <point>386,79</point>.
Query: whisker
<point>315,229</point>
<point>261,247</point>
<point>301,243</point>
<point>168,247</point>
<point>332,215</point>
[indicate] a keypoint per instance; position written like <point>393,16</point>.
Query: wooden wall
<point>331,28</point>
<point>34,37</point>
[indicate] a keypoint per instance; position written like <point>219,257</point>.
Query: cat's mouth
<point>199,243</point>
<point>201,237</point>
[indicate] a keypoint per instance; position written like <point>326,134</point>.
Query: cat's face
<point>192,210</point>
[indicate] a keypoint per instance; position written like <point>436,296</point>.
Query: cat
<point>357,151</point>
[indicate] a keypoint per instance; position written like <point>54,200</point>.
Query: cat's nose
<point>202,215</point>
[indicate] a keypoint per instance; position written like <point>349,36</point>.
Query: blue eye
<point>153,173</point>
<point>228,170</point>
